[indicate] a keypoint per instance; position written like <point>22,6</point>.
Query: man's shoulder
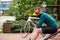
<point>43,13</point>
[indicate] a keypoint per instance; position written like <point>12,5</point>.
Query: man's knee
<point>39,30</point>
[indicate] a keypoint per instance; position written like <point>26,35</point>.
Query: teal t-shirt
<point>47,19</point>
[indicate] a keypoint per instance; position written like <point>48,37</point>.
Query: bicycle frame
<point>29,20</point>
<point>26,27</point>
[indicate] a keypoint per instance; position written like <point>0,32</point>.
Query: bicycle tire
<point>25,30</point>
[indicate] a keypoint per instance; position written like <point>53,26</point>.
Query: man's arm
<point>41,21</point>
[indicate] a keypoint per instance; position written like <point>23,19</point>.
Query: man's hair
<point>37,8</point>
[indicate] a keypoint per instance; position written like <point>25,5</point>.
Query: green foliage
<point>49,10</point>
<point>1,31</point>
<point>17,25</point>
<point>22,6</point>
<point>58,22</point>
<point>21,17</point>
<point>9,21</point>
<point>58,2</point>
<point>50,2</point>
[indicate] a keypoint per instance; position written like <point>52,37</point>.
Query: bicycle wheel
<point>25,30</point>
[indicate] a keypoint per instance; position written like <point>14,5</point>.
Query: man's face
<point>37,11</point>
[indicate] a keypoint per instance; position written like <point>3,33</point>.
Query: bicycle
<point>26,27</point>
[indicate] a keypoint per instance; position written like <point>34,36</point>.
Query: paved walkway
<point>13,37</point>
<point>17,36</point>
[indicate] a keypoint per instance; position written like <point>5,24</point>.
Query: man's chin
<point>38,15</point>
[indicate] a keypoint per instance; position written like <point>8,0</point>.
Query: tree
<point>22,7</point>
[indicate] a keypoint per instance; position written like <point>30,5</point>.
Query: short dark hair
<point>37,8</point>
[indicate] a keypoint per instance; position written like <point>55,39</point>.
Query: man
<point>48,20</point>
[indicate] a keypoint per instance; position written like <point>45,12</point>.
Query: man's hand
<point>35,29</point>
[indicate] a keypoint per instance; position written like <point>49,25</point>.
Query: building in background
<point>4,5</point>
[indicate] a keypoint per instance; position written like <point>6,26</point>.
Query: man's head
<point>38,11</point>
